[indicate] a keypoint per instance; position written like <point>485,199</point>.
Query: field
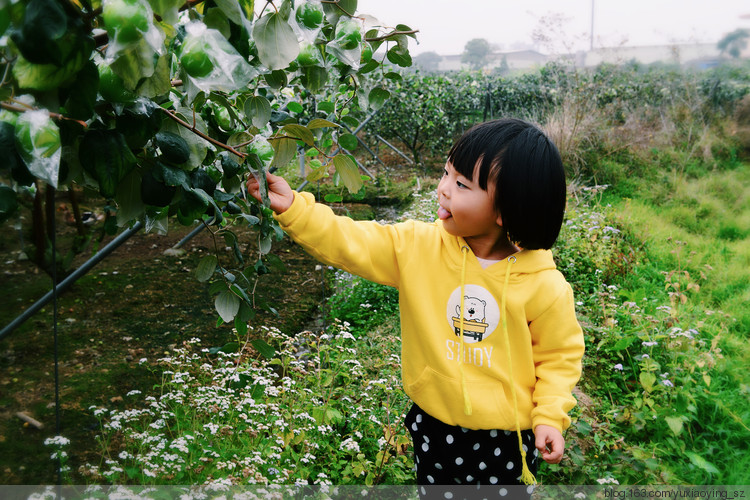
<point>153,390</point>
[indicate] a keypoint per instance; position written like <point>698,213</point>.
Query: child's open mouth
<point>443,213</point>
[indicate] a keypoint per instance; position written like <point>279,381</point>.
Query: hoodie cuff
<point>300,203</point>
<point>557,424</point>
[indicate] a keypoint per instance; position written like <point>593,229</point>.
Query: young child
<point>491,348</point>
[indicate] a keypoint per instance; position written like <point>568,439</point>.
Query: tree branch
<point>24,108</point>
<point>200,134</point>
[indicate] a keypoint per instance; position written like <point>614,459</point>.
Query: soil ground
<point>137,303</point>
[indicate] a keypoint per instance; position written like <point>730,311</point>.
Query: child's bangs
<point>467,153</point>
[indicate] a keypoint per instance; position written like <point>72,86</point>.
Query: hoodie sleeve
<point>364,248</point>
<point>558,346</point>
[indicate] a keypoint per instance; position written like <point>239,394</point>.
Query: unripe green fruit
<point>111,86</point>
<point>366,53</point>
<point>126,19</point>
<point>44,139</point>
<point>261,147</point>
<point>308,55</point>
<point>348,34</point>
<point>309,15</point>
<point>197,63</point>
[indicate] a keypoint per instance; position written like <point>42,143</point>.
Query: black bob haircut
<point>528,176</point>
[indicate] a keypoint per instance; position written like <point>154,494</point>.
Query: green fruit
<point>112,88</point>
<point>126,20</point>
<point>36,136</point>
<point>309,15</point>
<point>173,147</point>
<point>196,62</point>
<point>309,55</point>
<point>348,34</point>
<point>261,147</point>
<point>366,53</point>
<point>154,192</point>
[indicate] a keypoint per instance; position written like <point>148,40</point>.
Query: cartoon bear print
<point>473,309</point>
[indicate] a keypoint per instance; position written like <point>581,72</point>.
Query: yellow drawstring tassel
<point>467,401</point>
<point>526,476</point>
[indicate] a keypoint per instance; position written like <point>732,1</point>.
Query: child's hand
<point>279,192</point>
<point>550,443</point>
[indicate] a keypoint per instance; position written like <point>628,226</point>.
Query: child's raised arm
<point>279,192</point>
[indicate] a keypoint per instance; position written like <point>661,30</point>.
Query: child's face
<point>466,209</point>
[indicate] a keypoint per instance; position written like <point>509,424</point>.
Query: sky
<point>446,25</point>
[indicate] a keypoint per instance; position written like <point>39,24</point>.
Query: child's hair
<point>528,176</point>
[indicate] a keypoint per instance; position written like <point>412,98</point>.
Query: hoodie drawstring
<point>526,476</point>
<point>467,401</point>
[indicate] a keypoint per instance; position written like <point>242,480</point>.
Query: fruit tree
<point>164,107</point>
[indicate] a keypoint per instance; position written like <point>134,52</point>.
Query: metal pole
<point>67,282</point>
<point>395,149</point>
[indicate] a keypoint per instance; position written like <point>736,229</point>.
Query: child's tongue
<point>443,213</point>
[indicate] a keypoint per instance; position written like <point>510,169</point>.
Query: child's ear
<point>499,220</point>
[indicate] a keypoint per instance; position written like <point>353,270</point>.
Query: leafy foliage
<point>164,107</point>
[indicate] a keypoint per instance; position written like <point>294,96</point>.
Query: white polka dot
<point>448,495</point>
<point>449,439</point>
<point>497,452</point>
<point>438,466</point>
<point>469,478</point>
<point>530,489</point>
<point>536,453</point>
<point>426,439</point>
<point>414,427</point>
<point>493,433</point>
<point>430,479</point>
<point>507,433</point>
<point>509,466</point>
<point>476,446</point>
<point>503,492</point>
<point>425,447</point>
<point>525,448</point>
<point>419,418</point>
<point>459,461</point>
<point>482,465</point>
<point>464,430</point>
<point>493,479</point>
<point>424,491</point>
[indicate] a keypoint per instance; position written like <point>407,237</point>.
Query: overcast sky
<point>446,25</point>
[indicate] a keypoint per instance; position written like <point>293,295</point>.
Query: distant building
<point>699,55</point>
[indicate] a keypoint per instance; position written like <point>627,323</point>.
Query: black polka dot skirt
<point>453,455</point>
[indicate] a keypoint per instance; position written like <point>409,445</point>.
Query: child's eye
<point>460,184</point>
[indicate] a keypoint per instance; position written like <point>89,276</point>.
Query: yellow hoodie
<point>425,263</point>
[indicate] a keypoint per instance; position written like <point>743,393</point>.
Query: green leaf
<point>128,198</point>
<point>45,77</point>
<point>314,78</point>
<point>647,380</point>
<point>675,424</point>
<point>276,42</point>
<point>333,198</point>
<point>259,110</point>
<point>285,151</point>
<point>320,123</point>
<point>377,97</point>
<point>399,56</point>
<point>206,268</point>
<point>106,156</point>
<point>266,350</point>
<point>295,107</point>
<point>317,174</point>
<point>348,142</point>
<point>134,62</point>
<point>8,203</point>
<point>300,132</point>
<point>347,169</point>
<point>227,304</point>
<point>173,147</point>
<point>326,107</point>
<point>232,10</point>
<point>701,462</point>
<point>228,348</point>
